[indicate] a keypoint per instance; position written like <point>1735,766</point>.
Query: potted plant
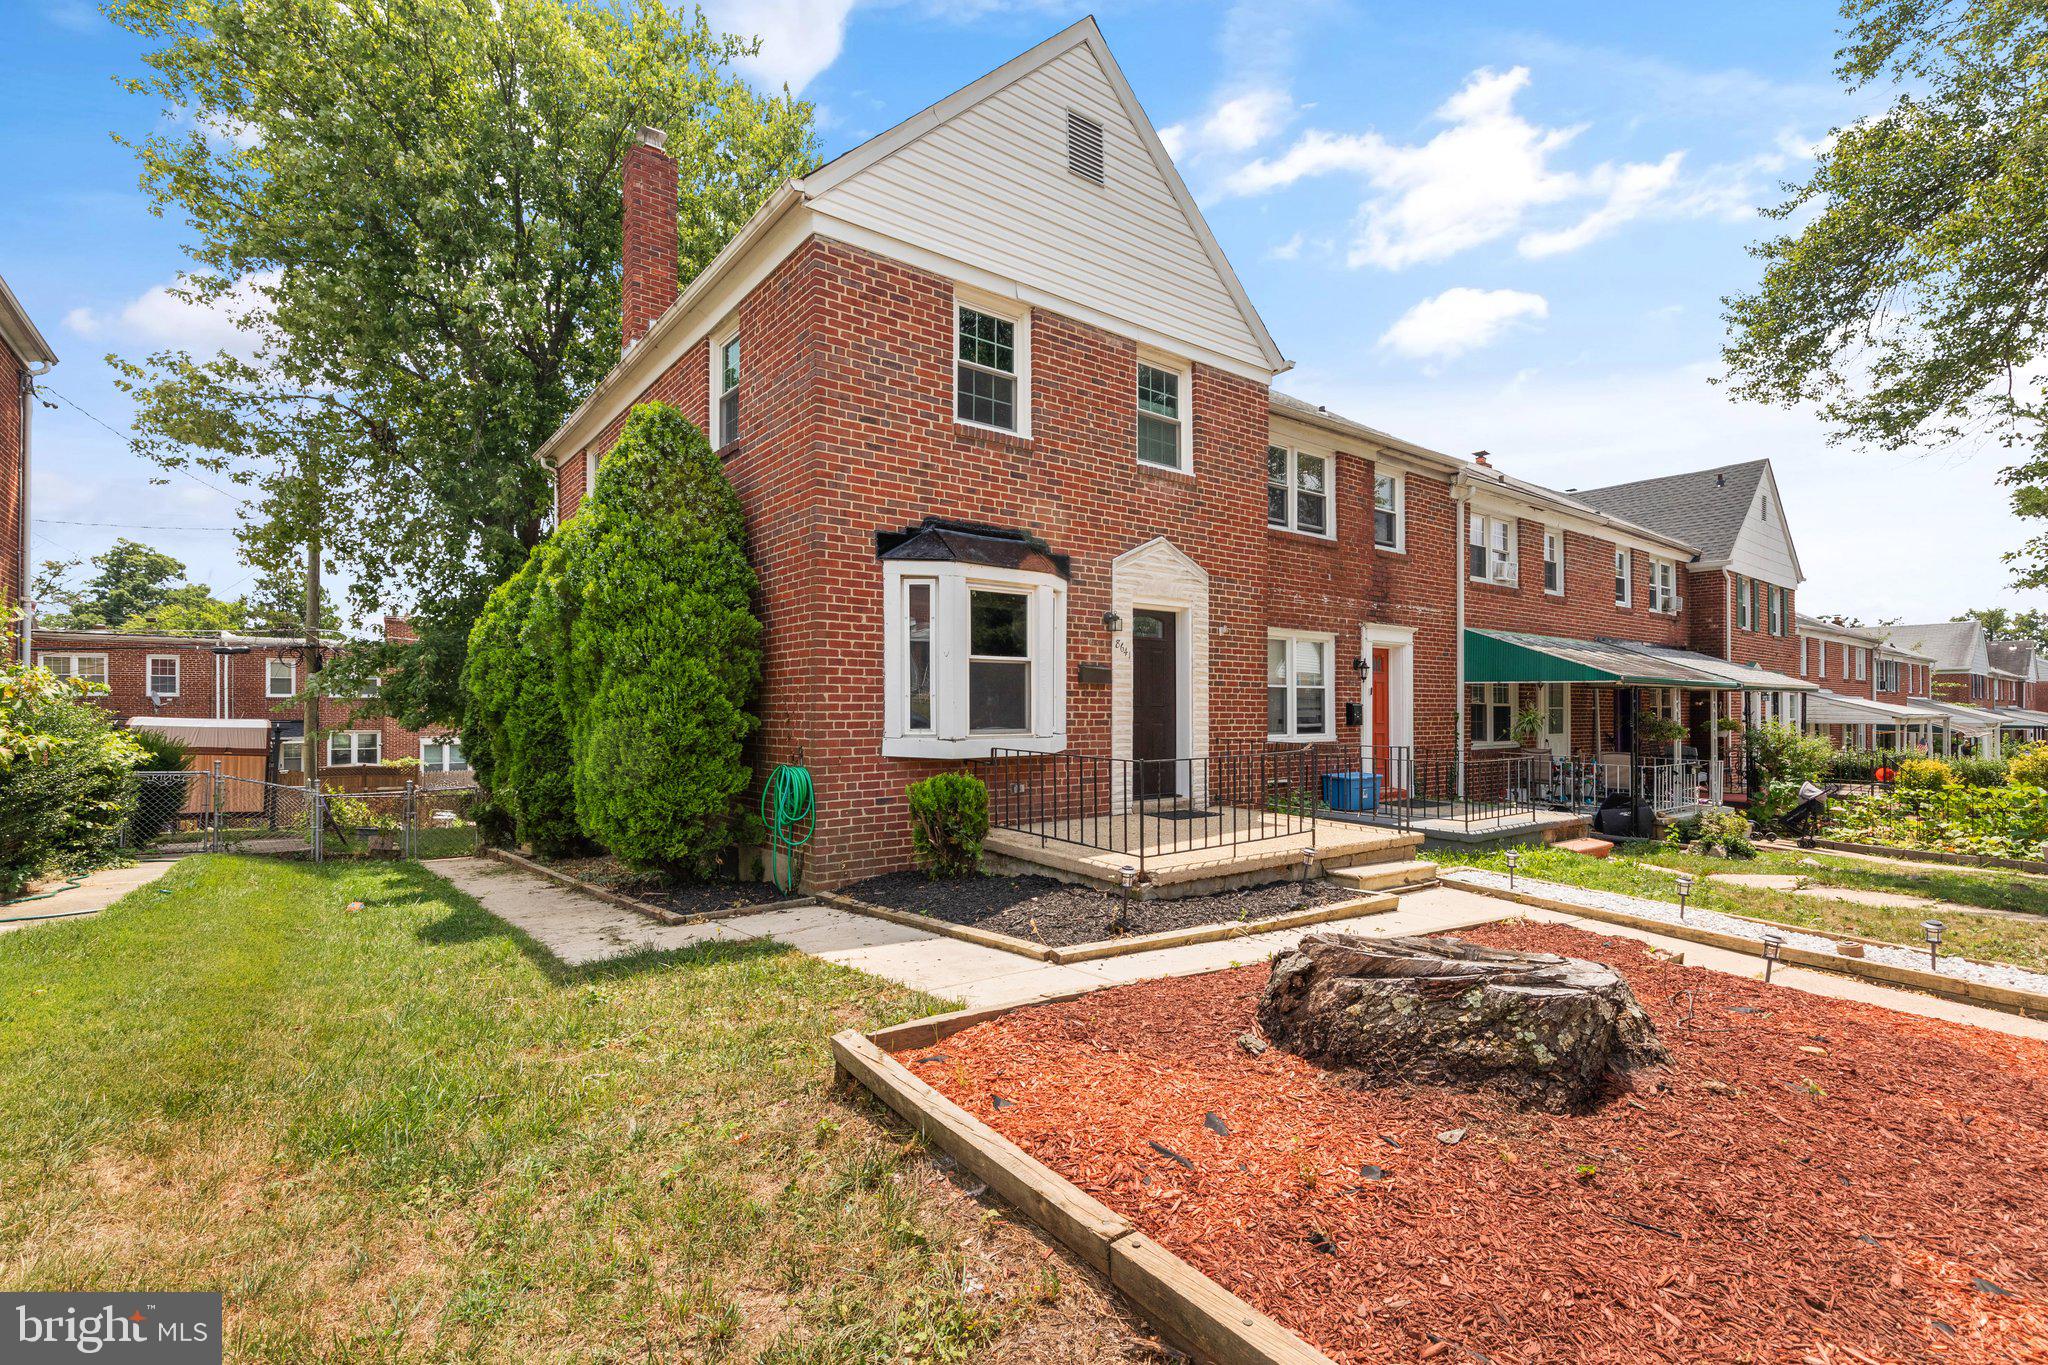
<point>1659,730</point>
<point>1528,726</point>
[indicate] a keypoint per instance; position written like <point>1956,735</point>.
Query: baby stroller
<point>1804,821</point>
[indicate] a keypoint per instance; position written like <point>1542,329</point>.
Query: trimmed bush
<point>66,790</point>
<point>514,711</point>
<point>948,821</point>
<point>1783,753</point>
<point>1979,772</point>
<point>1923,774</point>
<point>2028,767</point>
<point>663,650</point>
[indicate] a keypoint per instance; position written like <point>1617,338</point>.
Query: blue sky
<point>1495,226</point>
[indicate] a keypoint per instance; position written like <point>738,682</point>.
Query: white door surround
<point>1399,642</point>
<point>1157,576</point>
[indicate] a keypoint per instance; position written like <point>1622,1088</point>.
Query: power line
<point>128,525</point>
<point>135,446</point>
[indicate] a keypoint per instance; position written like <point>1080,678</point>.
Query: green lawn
<point>1985,937</point>
<point>399,1133</point>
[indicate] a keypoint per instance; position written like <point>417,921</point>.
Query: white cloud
<point>1584,429</point>
<point>1234,124</point>
<point>799,38</point>
<point>1288,250</point>
<point>1632,190</point>
<point>1460,320</point>
<point>158,317</point>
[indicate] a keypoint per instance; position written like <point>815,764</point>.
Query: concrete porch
<point>1181,853</point>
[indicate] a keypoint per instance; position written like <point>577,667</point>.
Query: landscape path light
<point>1684,890</point>
<point>1514,857</point>
<point>1933,929</point>
<point>1772,943</point>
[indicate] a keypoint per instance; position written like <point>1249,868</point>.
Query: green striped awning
<point>1513,656</point>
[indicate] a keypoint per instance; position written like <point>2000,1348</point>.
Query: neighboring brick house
<point>1015,480</point>
<point>219,691</point>
<point>1873,694</point>
<point>1980,687</point>
<point>23,355</point>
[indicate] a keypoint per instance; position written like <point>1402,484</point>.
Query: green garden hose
<point>787,806</point>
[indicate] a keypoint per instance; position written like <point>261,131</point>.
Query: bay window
<point>1298,491</point>
<point>1490,712</point>
<point>1298,685</point>
<point>975,660</point>
<point>1490,548</point>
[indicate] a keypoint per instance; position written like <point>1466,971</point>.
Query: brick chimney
<point>649,283</point>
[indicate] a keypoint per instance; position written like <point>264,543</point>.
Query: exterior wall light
<point>1112,622</point>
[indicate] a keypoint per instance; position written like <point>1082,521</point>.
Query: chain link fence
<point>212,812</point>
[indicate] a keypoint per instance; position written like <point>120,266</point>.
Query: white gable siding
<point>1764,547</point>
<point>990,188</point>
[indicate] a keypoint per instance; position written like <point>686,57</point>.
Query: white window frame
<point>149,677</point>
<point>356,746</point>
<point>1507,573</point>
<point>1018,315</point>
<point>1862,664</point>
<point>1490,699</point>
<point>69,666</point>
<point>714,408</point>
<point>1745,603</point>
<point>953,586</point>
<point>590,460</point>
<point>291,667</point>
<point>444,743</point>
<point>1553,554</point>
<point>1624,576</point>
<point>1184,424</point>
<point>1663,586</point>
<point>1293,524</point>
<point>1398,506</point>
<point>285,744</point>
<point>1774,605</point>
<point>1295,639</point>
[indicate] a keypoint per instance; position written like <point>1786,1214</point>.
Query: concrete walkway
<point>581,929</point>
<point>98,891</point>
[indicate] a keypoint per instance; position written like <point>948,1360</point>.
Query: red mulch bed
<point>1811,1180</point>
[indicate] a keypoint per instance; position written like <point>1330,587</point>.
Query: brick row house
<point>1984,689</point>
<point>237,699</point>
<point>23,355</point>
<point>1022,497</point>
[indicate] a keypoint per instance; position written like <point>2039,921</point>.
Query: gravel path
<point>1984,973</point>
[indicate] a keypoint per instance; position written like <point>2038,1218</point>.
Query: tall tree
<point>2001,624</point>
<point>130,580</point>
<point>1910,303</point>
<point>416,205</point>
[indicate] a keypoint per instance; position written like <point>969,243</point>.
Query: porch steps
<point>1411,875</point>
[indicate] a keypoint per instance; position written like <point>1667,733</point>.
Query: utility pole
<point>309,749</point>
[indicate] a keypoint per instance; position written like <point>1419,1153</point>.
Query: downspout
<point>28,615</point>
<point>1461,509</point>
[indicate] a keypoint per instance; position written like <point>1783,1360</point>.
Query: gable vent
<point>1084,146</point>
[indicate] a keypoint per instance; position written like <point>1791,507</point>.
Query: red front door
<point>1382,738</point>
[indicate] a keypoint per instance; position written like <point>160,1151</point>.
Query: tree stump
<point>1545,1031</point>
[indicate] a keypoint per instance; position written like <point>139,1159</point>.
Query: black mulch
<point>684,898</point>
<point>1058,915</point>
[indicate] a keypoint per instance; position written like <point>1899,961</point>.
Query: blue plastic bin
<point>1351,791</point>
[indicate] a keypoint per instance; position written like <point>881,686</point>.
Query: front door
<point>1557,719</point>
<point>1155,703</point>
<point>1382,713</point>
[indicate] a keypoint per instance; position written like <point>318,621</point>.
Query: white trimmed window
<point>1745,605</point>
<point>1553,561</point>
<point>1862,664</point>
<point>1389,524</point>
<point>1163,428</point>
<point>975,660</point>
<point>590,462</point>
<point>163,676</point>
<point>291,755</point>
<point>90,668</point>
<point>725,385</point>
<point>442,756</point>
<point>1776,597</point>
<point>1624,585</point>
<point>991,369</point>
<point>1298,491</point>
<point>354,749</point>
<point>1664,586</point>
<point>281,678</point>
<point>1298,668</point>
<point>1490,712</point>
<point>1490,548</point>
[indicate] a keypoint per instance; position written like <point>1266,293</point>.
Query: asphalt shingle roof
<point>1955,646</point>
<point>1705,508</point>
